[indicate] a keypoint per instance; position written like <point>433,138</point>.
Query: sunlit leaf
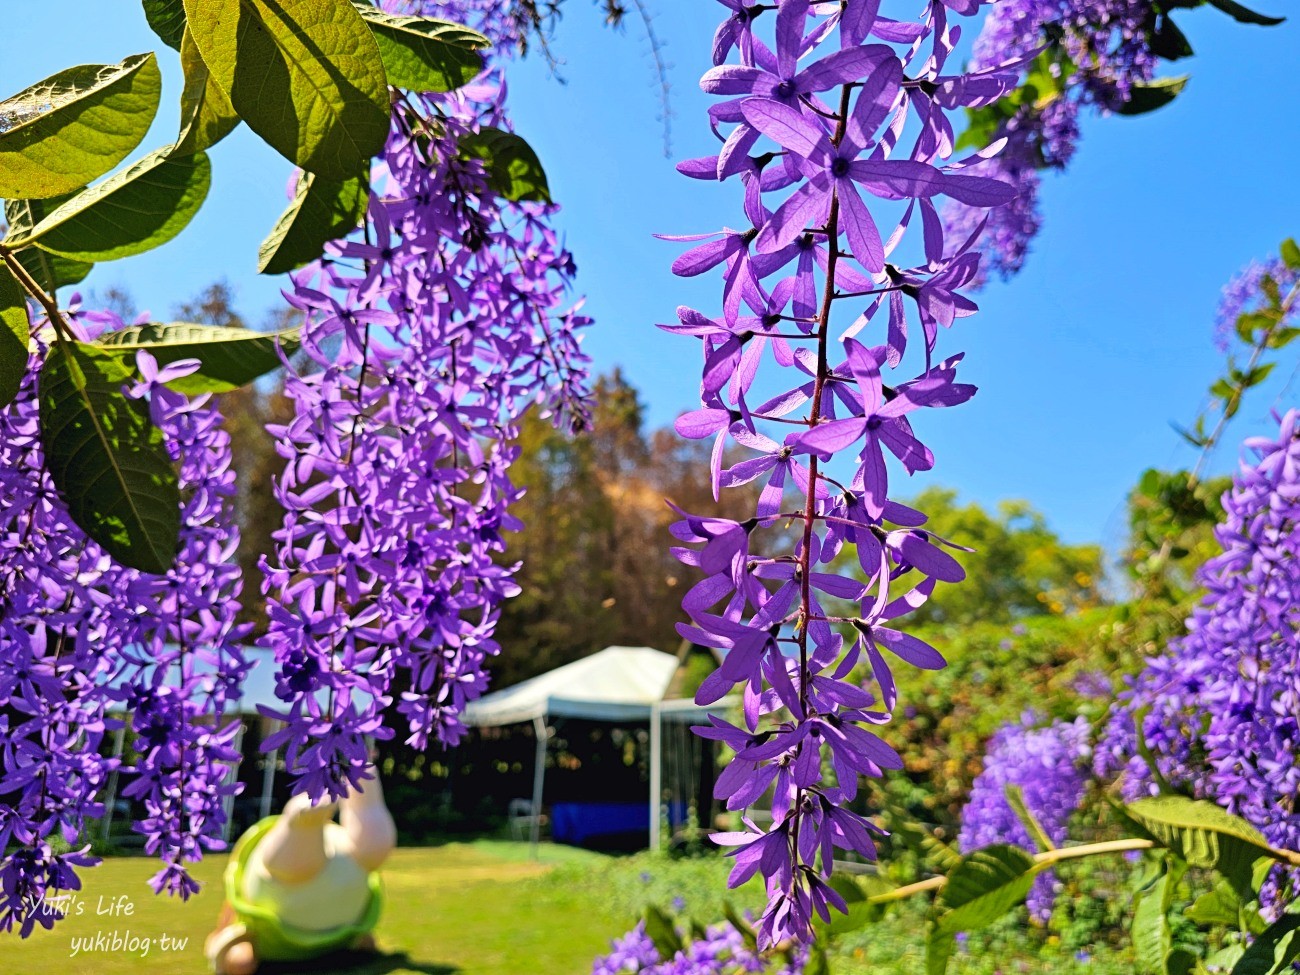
<point>132,211</point>
<point>75,126</point>
<point>306,75</point>
<point>107,459</point>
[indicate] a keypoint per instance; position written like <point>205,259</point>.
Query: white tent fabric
<point>616,684</point>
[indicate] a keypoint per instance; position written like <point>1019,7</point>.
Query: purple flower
<point>771,390</point>
<point>1049,765</point>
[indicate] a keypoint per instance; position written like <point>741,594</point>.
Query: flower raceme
<point>84,640</point>
<point>1216,712</point>
<point>426,336</point>
<point>834,126</point>
<point>1048,763</point>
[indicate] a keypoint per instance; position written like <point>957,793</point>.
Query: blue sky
<point>1083,360</point>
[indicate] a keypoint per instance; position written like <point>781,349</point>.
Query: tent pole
<point>228,803</point>
<point>656,773</point>
<point>268,783</point>
<point>119,743</point>
<point>539,771</point>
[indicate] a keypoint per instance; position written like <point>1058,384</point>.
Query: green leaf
<point>166,19</point>
<point>207,116</point>
<point>1149,97</point>
<point>322,210</point>
<point>1016,800</point>
<point>107,459</point>
<point>231,357</point>
<point>15,333</point>
<point>1204,835</point>
<point>514,171</point>
<point>1226,957</point>
<point>131,212</point>
<point>75,126</point>
<point>984,886</point>
<point>1152,937</point>
<point>1244,15</point>
<point>1272,952</point>
<point>939,947</point>
<point>424,54</point>
<point>1169,42</point>
<point>50,271</point>
<point>1215,907</point>
<point>306,75</point>
<point>1291,254</point>
<point>659,928</point>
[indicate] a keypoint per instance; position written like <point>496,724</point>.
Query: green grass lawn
<point>485,908</point>
<point>478,909</point>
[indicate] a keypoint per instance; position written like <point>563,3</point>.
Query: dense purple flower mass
<point>84,641</point>
<point>1218,710</point>
<point>1049,764</point>
<point>425,337</point>
<point>1245,294</point>
<point>835,125</point>
<point>1094,54</point>
<point>428,334</point>
<point>721,951</point>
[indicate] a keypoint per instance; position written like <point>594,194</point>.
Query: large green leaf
<point>306,75</point>
<point>423,54</point>
<point>107,459</point>
<point>14,335</point>
<point>1291,254</point>
<point>1152,935</point>
<point>660,929</point>
<point>322,210</point>
<point>1222,907</point>
<point>131,212</point>
<point>1272,952</point>
<point>1244,15</point>
<point>166,19</point>
<point>1204,835</point>
<point>1149,97</point>
<point>513,169</point>
<point>231,357</point>
<point>986,884</point>
<point>75,126</point>
<point>50,271</point>
<point>939,947</point>
<point>207,116</point>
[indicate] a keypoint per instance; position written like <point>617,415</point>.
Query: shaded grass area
<point>479,909</point>
<point>486,908</point>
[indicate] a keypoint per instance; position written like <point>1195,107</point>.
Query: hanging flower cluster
<point>1096,53</point>
<point>83,638</point>
<point>835,125</point>
<point>1218,710</point>
<point>427,335</point>
<point>1245,294</point>
<point>1049,765</point>
<point>721,951</point>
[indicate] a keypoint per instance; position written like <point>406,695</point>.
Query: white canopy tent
<point>614,684</point>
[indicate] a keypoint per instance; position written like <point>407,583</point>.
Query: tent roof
<point>618,683</point>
